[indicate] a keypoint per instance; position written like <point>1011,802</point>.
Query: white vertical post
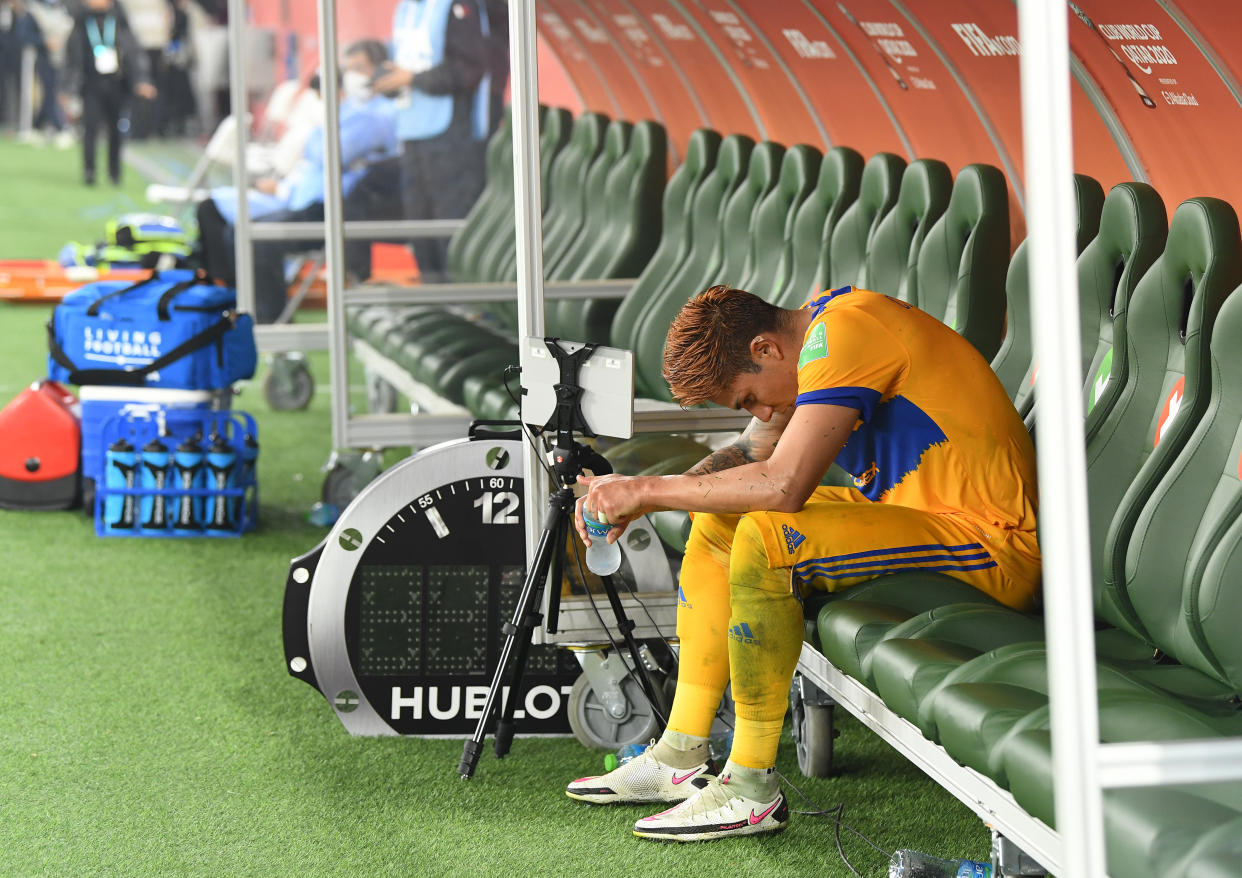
<point>1068,605</point>
<point>528,212</point>
<point>243,254</point>
<point>25,101</point>
<point>333,223</point>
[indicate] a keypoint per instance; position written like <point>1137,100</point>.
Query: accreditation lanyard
<point>413,43</point>
<point>103,45</point>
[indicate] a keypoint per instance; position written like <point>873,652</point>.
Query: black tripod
<point>569,460</point>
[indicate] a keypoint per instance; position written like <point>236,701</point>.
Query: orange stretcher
<point>45,280</point>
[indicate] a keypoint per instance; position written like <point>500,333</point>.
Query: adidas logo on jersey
<point>793,539</point>
<point>742,634</point>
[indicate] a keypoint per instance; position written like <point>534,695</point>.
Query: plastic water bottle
<point>720,745</point>
<point>120,479</point>
<point>912,864</point>
<point>187,464</point>
<point>156,466</point>
<point>221,463</point>
<point>602,558</point>
<point>624,755</point>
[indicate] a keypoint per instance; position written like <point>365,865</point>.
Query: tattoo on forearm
<point>737,454</point>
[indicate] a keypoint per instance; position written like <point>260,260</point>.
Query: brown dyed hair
<point>708,344</point>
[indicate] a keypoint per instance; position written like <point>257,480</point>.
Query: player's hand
<point>145,90</point>
<point>393,78</point>
<point>267,185</point>
<point>614,500</point>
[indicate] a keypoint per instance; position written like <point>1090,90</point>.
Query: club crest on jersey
<point>742,634</point>
<point>867,476</point>
<point>681,599</point>
<point>793,539</point>
<point>815,347</point>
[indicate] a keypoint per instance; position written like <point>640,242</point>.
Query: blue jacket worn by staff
<point>422,45</point>
<point>368,134</point>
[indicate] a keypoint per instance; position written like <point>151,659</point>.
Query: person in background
<point>368,136</point>
<point>47,29</point>
<point>177,104</point>
<point>10,61</point>
<point>152,27</point>
<point>103,65</point>
<point>440,70</point>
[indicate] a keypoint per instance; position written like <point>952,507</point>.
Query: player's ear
<point>765,346</point>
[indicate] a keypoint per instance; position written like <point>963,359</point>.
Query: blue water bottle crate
<point>177,473</point>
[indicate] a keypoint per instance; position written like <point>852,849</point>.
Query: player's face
<point>772,389</point>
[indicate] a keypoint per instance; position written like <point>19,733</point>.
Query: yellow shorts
<point>840,538</point>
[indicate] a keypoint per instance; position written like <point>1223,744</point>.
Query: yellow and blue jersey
<point>936,431</point>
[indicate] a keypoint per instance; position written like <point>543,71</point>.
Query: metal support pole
<point>1047,143</point>
<point>334,223</point>
<point>243,254</point>
<point>25,101</point>
<point>528,212</point>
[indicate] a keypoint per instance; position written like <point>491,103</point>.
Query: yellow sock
<point>702,626</point>
<point>765,640</point>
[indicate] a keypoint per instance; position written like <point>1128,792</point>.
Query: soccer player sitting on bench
<point>944,480</point>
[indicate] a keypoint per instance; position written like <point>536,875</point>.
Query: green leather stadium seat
<point>564,216</point>
<point>963,260</point>
<point>708,202</point>
<point>1133,229</point>
<point>891,265</point>
<point>847,248</point>
<point>737,220</point>
<point>464,248</point>
<point>675,235</point>
<point>1128,481</point>
<point>1012,363</point>
<point>589,219</point>
<point>620,228</point>
<point>625,225</point>
<point>771,230</point>
<point>804,267</point>
<point>701,262</point>
<point>1115,458</point>
<point>498,251</point>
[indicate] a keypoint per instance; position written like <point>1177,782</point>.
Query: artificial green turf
<point>44,202</point>
<point>150,728</point>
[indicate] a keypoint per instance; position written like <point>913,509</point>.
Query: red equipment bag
<point>40,449</point>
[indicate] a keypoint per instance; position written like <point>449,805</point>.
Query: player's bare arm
<point>782,482</point>
<point>756,443</point>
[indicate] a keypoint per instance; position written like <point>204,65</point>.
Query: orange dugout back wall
<point>1156,82</point>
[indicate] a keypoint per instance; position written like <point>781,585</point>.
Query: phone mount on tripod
<point>563,364</point>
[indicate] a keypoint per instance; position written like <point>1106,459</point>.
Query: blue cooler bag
<point>174,330</point>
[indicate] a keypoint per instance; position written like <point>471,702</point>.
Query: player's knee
<point>712,534</point>
<point>749,565</point>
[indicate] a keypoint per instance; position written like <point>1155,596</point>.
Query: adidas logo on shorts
<point>793,539</point>
<point>742,634</point>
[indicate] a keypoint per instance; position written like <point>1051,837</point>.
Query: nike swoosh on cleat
<point>684,777</point>
<point>759,818</point>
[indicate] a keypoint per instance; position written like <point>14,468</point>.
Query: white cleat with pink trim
<point>643,779</point>
<point>715,812</point>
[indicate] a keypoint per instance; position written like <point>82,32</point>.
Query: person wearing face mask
<point>367,138</point>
